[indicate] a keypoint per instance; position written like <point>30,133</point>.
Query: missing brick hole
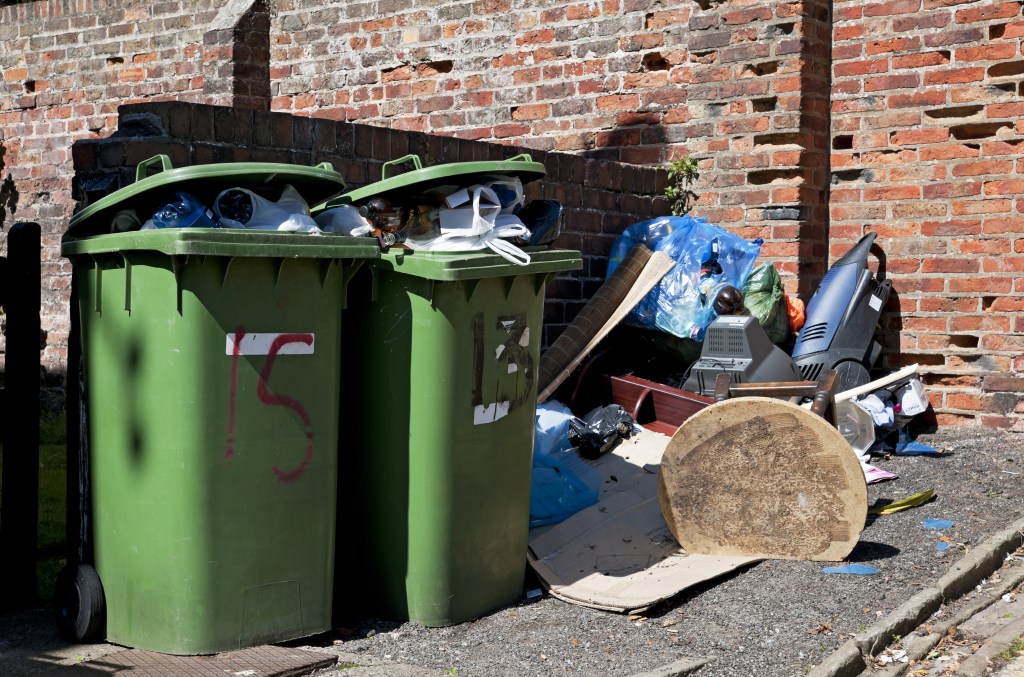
<point>1006,69</point>
<point>865,175</point>
<point>764,105</point>
<point>431,68</point>
<point>783,139</point>
<point>1020,88</point>
<point>954,112</point>
<point>843,142</point>
<point>114,60</point>
<point>978,130</point>
<point>654,62</point>
<point>996,32</point>
<point>763,178</point>
<point>987,301</point>
<point>30,86</point>
<point>775,30</point>
<point>963,341</point>
<point>766,68</point>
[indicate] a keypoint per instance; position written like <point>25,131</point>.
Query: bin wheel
<point>78,603</point>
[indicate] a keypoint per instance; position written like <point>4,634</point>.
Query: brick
<point>919,136</point>
<point>916,100</point>
<point>1011,187</point>
<point>1004,264</point>
<point>950,228</point>
<point>966,401</point>
<point>954,76</point>
<point>949,152</point>
<point>954,189</point>
<point>985,206</point>
<point>921,60</point>
<point>894,45</point>
<point>921,21</point>
<point>983,167</point>
<point>892,193</point>
<point>955,37</point>
<point>977,323</point>
<point>618,102</point>
<point>1005,110</point>
<point>986,52</point>
<point>950,266</point>
<point>1003,226</point>
<point>986,285</point>
<point>1004,10</point>
<point>860,67</point>
<point>890,82</point>
<point>988,247</point>
<point>892,7</point>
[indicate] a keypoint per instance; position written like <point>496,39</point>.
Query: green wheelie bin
<point>439,393</point>
<point>211,369</point>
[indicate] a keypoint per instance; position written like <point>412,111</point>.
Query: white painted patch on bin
<point>259,344</point>
<point>489,413</point>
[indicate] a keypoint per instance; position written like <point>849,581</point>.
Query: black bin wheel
<point>78,603</point>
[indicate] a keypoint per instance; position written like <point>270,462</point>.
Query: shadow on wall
<point>8,191</point>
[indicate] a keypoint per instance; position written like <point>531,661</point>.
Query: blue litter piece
<point>937,524</point>
<point>908,447</point>
<point>942,546</point>
<point>857,569</point>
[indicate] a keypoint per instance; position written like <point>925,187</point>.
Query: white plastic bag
<point>471,221</point>
<point>470,211</point>
<point>242,208</point>
<point>344,220</point>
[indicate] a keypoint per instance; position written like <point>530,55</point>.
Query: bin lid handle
<point>326,165</point>
<point>522,157</point>
<point>414,159</point>
<point>143,169</point>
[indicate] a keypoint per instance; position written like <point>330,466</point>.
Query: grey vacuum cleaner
<point>841,317</point>
<point>737,345</point>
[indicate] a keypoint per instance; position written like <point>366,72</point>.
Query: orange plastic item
<point>795,309</point>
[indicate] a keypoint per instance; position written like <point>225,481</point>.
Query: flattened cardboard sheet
<point>619,555</point>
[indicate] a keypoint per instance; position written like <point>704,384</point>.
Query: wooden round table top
<point>762,477</point>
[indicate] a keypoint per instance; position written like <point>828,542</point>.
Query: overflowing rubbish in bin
<point>211,361</point>
<point>455,207</point>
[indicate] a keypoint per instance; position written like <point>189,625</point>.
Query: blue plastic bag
<point>562,484</point>
<point>707,258</point>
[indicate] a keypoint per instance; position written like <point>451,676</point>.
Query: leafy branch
<point>682,174</point>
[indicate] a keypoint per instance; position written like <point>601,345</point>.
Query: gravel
<point>773,618</point>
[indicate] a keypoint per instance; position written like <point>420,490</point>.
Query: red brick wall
<point>919,140</point>
<point>741,86</point>
<point>64,69</point>
<point>928,151</point>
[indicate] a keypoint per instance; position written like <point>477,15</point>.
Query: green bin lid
<point>226,242</point>
<point>456,266</point>
<point>149,193</point>
<point>410,184</point>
